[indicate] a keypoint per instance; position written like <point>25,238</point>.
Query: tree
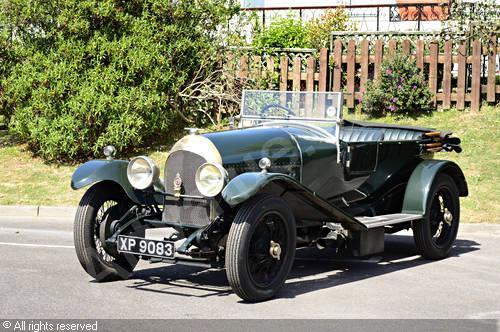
<point>319,30</point>
<point>286,32</point>
<point>97,72</point>
<point>474,20</point>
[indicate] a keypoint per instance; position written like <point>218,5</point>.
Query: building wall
<point>361,11</point>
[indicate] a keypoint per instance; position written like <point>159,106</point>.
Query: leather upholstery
<point>364,134</point>
<point>393,134</point>
<point>360,134</point>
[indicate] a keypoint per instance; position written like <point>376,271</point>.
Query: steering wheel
<point>264,110</point>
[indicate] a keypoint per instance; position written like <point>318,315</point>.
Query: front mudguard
<point>420,182</point>
<point>246,185</point>
<point>95,171</point>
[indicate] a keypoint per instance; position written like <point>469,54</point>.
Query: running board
<point>388,219</point>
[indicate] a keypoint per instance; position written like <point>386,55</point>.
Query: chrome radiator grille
<point>185,164</point>
<point>186,211</point>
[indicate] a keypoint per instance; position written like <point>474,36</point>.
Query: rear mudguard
<point>96,171</point>
<point>420,182</point>
<point>247,185</point>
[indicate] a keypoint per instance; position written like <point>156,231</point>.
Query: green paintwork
<point>248,184</point>
<point>242,149</point>
<point>115,170</point>
<point>96,171</point>
<point>298,153</point>
<point>419,185</point>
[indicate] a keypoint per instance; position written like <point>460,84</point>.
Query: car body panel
<point>241,150</point>
<point>247,185</point>
<point>420,182</point>
<point>95,171</point>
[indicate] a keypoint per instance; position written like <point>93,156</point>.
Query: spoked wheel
<point>260,248</point>
<point>99,209</point>
<point>436,233</point>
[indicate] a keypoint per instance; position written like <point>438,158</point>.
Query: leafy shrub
<point>400,90</point>
<point>472,19</point>
<point>291,32</point>
<point>319,29</point>
<point>285,32</point>
<point>97,72</point>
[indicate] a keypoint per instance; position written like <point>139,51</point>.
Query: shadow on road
<point>313,270</point>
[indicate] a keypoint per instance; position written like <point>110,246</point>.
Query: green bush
<point>285,32</point>
<point>400,90</point>
<point>290,32</point>
<point>319,29</point>
<point>97,72</point>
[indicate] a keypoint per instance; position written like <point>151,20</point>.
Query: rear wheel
<point>99,209</point>
<point>435,234</point>
<point>260,248</point>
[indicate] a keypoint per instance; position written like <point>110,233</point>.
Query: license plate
<point>145,247</point>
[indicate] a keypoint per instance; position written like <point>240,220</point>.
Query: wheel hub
<point>106,228</point>
<point>275,250</point>
<point>447,216</point>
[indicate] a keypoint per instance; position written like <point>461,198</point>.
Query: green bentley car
<point>292,174</point>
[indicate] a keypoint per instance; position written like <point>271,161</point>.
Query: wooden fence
<point>459,74</point>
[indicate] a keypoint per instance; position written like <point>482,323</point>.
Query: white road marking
<point>36,245</point>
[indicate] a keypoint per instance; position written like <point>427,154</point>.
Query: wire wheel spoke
<point>109,209</point>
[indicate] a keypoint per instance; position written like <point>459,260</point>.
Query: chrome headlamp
<point>142,172</point>
<point>210,179</point>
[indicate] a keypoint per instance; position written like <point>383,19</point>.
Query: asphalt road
<point>41,278</point>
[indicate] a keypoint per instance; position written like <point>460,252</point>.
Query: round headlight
<point>210,179</point>
<point>142,172</point>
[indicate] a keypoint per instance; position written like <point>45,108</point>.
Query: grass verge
<point>27,180</point>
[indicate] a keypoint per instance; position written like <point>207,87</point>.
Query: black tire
<point>96,203</point>
<point>434,235</point>
<point>262,224</point>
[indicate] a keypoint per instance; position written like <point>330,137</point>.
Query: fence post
<point>230,64</point>
<point>351,64</point>
<point>492,56</point>
<point>256,68</point>
<point>311,65</point>
<point>323,70</point>
<point>365,57</point>
<point>406,46</point>
<point>283,73</point>
<point>268,73</point>
<point>392,47</point>
<point>311,62</point>
<point>337,70</point>
<point>296,73</point>
<point>462,62</point>
<point>476,76</point>
<point>433,64</point>
<point>244,67</point>
<point>420,54</point>
<point>379,53</point>
<point>447,75</point>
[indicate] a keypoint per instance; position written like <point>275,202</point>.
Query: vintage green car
<point>293,174</point>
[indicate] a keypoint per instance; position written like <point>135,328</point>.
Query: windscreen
<point>318,108</point>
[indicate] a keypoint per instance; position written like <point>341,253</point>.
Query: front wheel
<point>99,208</point>
<point>435,234</point>
<point>260,248</point>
